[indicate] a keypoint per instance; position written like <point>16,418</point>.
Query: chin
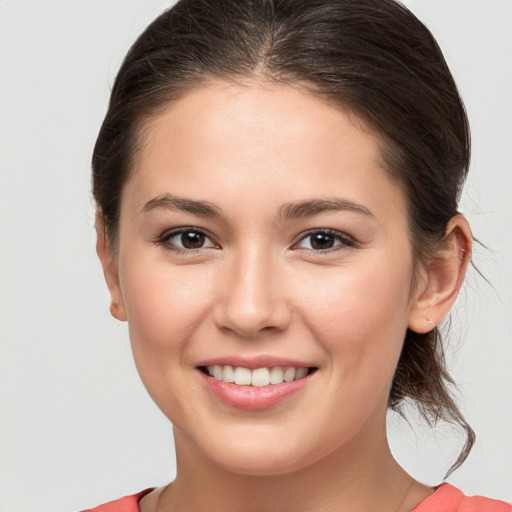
<point>263,455</point>
<point>262,465</point>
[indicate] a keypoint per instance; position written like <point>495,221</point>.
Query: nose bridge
<point>254,296</point>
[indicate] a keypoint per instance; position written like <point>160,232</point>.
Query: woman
<point>277,186</point>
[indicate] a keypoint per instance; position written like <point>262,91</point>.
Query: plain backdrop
<point>76,426</point>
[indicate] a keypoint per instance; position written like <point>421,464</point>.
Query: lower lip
<point>253,397</point>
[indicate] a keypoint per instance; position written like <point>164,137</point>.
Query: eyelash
<point>165,239</point>
<point>343,240</point>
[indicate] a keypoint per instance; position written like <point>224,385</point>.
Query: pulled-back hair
<point>373,58</point>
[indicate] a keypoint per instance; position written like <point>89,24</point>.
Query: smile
<point>258,377</point>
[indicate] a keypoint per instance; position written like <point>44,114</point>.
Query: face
<point>260,241</point>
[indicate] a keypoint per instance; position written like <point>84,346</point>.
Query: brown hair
<point>372,57</point>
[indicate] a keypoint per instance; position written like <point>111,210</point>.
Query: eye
<point>321,240</point>
<point>187,239</point>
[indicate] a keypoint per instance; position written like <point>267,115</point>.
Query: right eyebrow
<point>170,202</point>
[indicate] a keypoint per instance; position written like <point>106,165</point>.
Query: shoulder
<point>448,498</point>
<point>126,504</point>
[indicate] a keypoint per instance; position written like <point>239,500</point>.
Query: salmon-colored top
<point>450,499</point>
<point>446,498</point>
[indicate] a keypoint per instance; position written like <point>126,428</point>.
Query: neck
<point>362,475</point>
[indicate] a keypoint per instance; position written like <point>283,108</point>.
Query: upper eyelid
<point>185,229</point>
<point>335,232</point>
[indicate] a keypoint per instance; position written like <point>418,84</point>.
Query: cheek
<point>360,315</point>
<point>164,304</point>
<point>164,307</point>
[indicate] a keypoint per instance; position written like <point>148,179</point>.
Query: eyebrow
<point>170,202</point>
<point>316,206</point>
<point>288,211</point>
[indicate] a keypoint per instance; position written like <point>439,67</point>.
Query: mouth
<point>258,377</point>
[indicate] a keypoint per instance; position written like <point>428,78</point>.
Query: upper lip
<point>254,362</point>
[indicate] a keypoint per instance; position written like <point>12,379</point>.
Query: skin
<point>257,287</point>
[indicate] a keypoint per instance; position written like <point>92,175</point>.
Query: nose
<point>253,296</point>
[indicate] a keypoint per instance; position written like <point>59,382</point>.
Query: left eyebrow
<point>291,211</point>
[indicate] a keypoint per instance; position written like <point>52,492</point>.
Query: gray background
<point>76,425</point>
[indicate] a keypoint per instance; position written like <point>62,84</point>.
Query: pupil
<point>322,241</point>
<point>192,240</point>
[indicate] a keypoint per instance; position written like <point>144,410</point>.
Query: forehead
<point>257,113</point>
<point>262,140</point>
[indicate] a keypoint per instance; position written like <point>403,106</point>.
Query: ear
<point>110,270</point>
<point>442,278</point>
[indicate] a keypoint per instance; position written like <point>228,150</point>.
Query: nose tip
<point>250,319</point>
<point>253,301</point>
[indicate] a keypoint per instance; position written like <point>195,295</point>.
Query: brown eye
<point>324,240</point>
<point>187,239</point>
<point>192,240</point>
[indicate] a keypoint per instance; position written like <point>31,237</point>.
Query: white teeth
<point>242,376</point>
<point>217,372</point>
<point>301,373</point>
<point>289,374</point>
<point>276,375</point>
<point>259,377</point>
<point>228,375</point>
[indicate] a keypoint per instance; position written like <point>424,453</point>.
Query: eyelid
<point>344,239</point>
<point>164,238</point>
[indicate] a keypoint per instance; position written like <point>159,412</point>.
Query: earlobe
<point>442,278</point>
<point>117,311</point>
<point>110,270</point>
